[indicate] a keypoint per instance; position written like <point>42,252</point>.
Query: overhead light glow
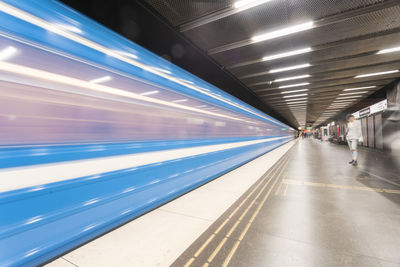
<point>294,91</point>
<point>359,88</point>
<point>297,103</point>
<point>355,93</point>
<point>292,78</point>
<point>293,85</point>
<point>179,100</point>
<point>150,93</point>
<point>245,4</point>
<point>301,66</point>
<point>348,97</point>
<point>376,73</point>
<point>296,99</point>
<point>288,96</point>
<point>8,53</point>
<point>389,50</point>
<point>101,79</point>
<point>282,32</point>
<point>287,54</point>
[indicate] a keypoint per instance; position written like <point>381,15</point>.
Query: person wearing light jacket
<point>353,136</point>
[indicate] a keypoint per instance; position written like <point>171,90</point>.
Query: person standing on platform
<point>353,136</point>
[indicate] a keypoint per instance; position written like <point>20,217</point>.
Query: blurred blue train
<point>95,131</point>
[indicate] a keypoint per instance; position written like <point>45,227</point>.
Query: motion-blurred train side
<point>95,131</point>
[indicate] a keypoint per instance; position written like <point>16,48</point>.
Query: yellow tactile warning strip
<point>218,244</point>
<point>339,186</point>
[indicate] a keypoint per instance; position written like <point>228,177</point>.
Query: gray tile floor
<point>325,213</point>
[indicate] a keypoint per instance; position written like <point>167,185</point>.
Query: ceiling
<point>325,44</point>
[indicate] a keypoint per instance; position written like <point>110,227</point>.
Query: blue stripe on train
<point>42,154</point>
<point>75,211</point>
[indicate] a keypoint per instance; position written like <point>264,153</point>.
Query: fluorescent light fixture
<point>283,32</point>
<point>288,96</point>
<point>355,93</point>
<point>296,99</point>
<point>287,54</point>
<point>150,92</point>
<point>342,101</point>
<point>376,73</point>
<point>179,100</point>
<point>349,97</point>
<point>8,53</point>
<point>293,85</point>
<point>245,4</point>
<point>301,66</point>
<point>389,50</point>
<point>101,79</point>
<point>294,91</point>
<point>359,88</point>
<point>297,103</point>
<point>292,78</point>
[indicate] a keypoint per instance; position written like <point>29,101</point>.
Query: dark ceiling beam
<point>317,23</point>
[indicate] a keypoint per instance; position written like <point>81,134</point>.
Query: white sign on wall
<point>375,108</point>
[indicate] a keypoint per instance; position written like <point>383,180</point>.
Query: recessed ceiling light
<point>355,93</point>
<point>295,99</point>
<point>297,103</point>
<point>301,66</point>
<point>359,88</point>
<point>294,91</point>
<point>389,50</point>
<point>293,85</point>
<point>287,54</point>
<point>376,73</point>
<point>8,53</point>
<point>289,96</point>
<point>348,97</point>
<point>245,4</point>
<point>282,32</point>
<point>292,78</point>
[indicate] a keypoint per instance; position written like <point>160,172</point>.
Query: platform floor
<point>316,210</point>
<point>311,208</point>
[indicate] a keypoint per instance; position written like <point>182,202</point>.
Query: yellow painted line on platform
<point>279,189</point>
<point>286,189</point>
<point>228,259</point>
<point>212,256</point>
<point>235,247</point>
<point>189,262</point>
<point>205,264</point>
<point>220,245</point>
<point>204,245</point>
<point>279,168</point>
<point>339,186</point>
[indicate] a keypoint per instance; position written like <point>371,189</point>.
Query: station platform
<point>301,204</point>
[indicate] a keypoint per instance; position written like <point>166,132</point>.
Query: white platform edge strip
<point>22,177</point>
